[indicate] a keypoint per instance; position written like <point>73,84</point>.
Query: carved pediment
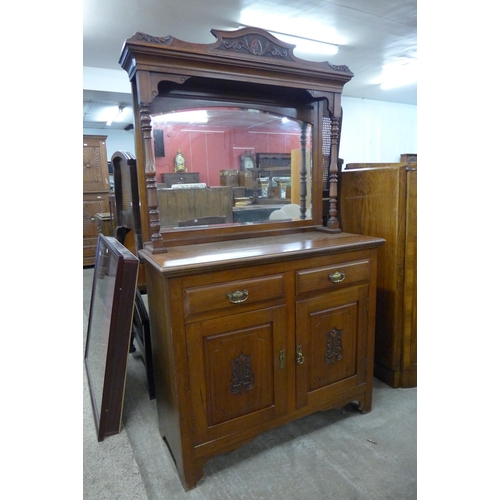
<point>342,68</point>
<point>163,40</point>
<point>256,44</point>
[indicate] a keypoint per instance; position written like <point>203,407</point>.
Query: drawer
<point>233,294</point>
<point>331,277</point>
<point>89,247</point>
<point>89,251</point>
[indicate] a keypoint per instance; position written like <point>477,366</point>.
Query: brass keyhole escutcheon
<point>300,357</point>
<point>282,358</point>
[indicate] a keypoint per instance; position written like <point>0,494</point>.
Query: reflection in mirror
<point>231,165</point>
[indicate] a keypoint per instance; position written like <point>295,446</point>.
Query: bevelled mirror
<point>230,165</point>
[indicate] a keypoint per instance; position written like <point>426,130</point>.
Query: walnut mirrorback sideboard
<point>255,323</point>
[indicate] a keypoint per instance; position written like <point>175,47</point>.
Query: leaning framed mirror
<point>108,332</point>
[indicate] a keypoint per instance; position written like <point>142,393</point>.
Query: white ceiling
<point>371,34</point>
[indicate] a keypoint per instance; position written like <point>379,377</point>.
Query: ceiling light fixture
<point>305,45</point>
<point>114,113</point>
<point>308,45</point>
<point>399,74</point>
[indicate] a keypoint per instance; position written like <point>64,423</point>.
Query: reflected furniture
<point>380,199</point>
<point>253,324</point>
<point>95,192</point>
<point>176,205</point>
<point>253,213</point>
<point>277,169</point>
<point>202,221</point>
<point>179,178</point>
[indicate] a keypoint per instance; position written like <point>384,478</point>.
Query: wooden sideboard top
<point>236,253</point>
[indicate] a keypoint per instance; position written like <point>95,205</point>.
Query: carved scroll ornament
<point>334,350</point>
<point>342,68</point>
<point>163,40</point>
<point>242,378</point>
<point>256,45</point>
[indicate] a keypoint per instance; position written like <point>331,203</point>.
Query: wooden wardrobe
<point>381,200</point>
<point>95,192</point>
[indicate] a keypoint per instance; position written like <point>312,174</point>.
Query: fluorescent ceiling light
<point>398,74</point>
<point>307,45</point>
<point>113,113</point>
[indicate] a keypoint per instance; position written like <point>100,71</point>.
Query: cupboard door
<point>95,163</point>
<point>331,345</point>
<point>237,373</point>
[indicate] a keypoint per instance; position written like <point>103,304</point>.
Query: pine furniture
<point>379,199</point>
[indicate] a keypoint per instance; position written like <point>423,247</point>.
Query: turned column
<point>150,173</point>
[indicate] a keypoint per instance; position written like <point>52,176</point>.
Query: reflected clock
<point>179,162</point>
<point>247,161</point>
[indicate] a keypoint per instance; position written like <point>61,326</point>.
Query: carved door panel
<point>95,164</point>
<point>331,345</point>
<point>237,372</point>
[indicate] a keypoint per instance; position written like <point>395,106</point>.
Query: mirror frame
<point>110,339</point>
<point>250,63</point>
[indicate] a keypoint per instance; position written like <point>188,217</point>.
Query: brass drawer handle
<point>238,296</point>
<point>337,276</point>
<point>300,357</point>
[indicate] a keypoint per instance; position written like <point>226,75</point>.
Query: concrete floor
<point>337,454</point>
